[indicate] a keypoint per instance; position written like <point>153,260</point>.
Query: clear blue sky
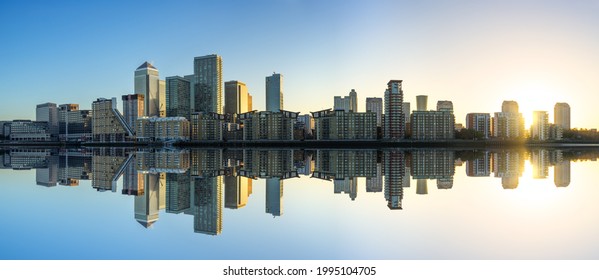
<point>475,53</point>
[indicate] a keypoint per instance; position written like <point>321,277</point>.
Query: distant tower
<point>48,112</point>
<point>375,104</point>
<point>540,125</point>
<point>394,122</point>
<point>274,93</point>
<point>274,196</point>
<point>421,101</point>
<point>561,115</point>
<point>148,84</point>
<point>353,100</point>
<point>445,105</point>
<point>237,98</point>
<point>406,111</point>
<point>178,97</point>
<point>208,87</point>
<point>509,106</point>
<point>133,108</point>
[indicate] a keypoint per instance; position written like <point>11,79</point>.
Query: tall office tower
<point>237,98</point>
<point>178,97</point>
<point>208,87</point>
<point>133,108</point>
<point>192,81</point>
<point>421,101</point>
<point>375,104</point>
<point>444,106</point>
<point>561,115</point>
<point>208,205</point>
<point>48,112</point>
<point>274,196</point>
<point>147,205</point>
<point>540,125</point>
<point>274,93</point>
<point>509,106</point>
<point>148,84</point>
<point>347,103</point>
<point>480,122</point>
<point>394,122</point>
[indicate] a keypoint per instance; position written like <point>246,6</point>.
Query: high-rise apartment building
<point>405,107</point>
<point>347,103</point>
<point>432,125</point>
<point>274,93</point>
<point>48,112</point>
<point>237,98</point>
<point>133,108</point>
<point>375,104</point>
<point>108,125</point>
<point>480,122</point>
<point>540,125</point>
<point>148,84</point>
<point>342,125</point>
<point>508,123</point>
<point>178,97</point>
<point>208,91</point>
<point>561,115</point>
<point>445,106</point>
<point>394,127</point>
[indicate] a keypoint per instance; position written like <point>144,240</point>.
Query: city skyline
<point>473,54</point>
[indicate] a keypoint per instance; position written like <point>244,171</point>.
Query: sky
<point>475,53</point>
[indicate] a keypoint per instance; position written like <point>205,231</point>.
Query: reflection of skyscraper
<point>236,191</point>
<point>394,173</point>
<point>133,181</point>
<point>48,176</point>
<point>375,184</point>
<point>178,192</point>
<point>508,165</point>
<point>108,165</point>
<point>274,196</point>
<point>540,164</point>
<point>148,205</point>
<point>346,185</point>
<point>421,186</point>
<point>208,198</point>
<point>561,173</point>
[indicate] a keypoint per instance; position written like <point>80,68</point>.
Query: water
<point>296,204</point>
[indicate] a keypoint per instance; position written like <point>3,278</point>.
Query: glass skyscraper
<point>208,86</point>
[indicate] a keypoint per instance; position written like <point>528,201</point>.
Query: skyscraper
<point>561,115</point>
<point>148,84</point>
<point>347,103</point>
<point>208,87</point>
<point>421,101</point>
<point>274,93</point>
<point>178,97</point>
<point>480,122</point>
<point>508,123</point>
<point>237,98</point>
<point>48,112</point>
<point>540,125</point>
<point>394,122</point>
<point>375,104</point>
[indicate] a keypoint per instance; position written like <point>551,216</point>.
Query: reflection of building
<point>342,125</point>
<point>148,205</point>
<point>108,165</point>
<point>340,164</point>
<point>508,165</point>
<point>346,185</point>
<point>268,164</point>
<point>178,192</point>
<point>237,191</point>
<point>207,163</point>
<point>72,167</point>
<point>48,176</point>
<point>375,184</point>
<point>561,172</point>
<point>347,103</point>
<point>421,186</point>
<point>274,196</point>
<point>394,124</point>
<point>208,203</point>
<point>394,173</point>
<point>540,164</point>
<point>480,166</point>
<point>274,93</point>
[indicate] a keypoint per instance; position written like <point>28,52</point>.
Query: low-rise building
<point>433,125</point>
<point>207,126</point>
<point>162,129</point>
<point>342,125</point>
<point>267,125</point>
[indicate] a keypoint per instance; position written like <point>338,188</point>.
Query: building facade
<point>347,103</point>
<point>375,104</point>
<point>432,125</point>
<point>268,125</point>
<point>162,129</point>
<point>108,125</point>
<point>133,108</point>
<point>48,112</point>
<point>394,124</point>
<point>342,125</point>
<point>480,122</point>
<point>74,124</point>
<point>561,115</point>
<point>208,87</point>
<point>178,97</point>
<point>27,130</point>
<point>207,126</point>
<point>540,125</point>
<point>237,98</point>
<point>274,93</point>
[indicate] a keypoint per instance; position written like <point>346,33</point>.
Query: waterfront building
<point>74,124</point>
<point>48,112</point>
<point>268,125</point>
<point>163,129</point>
<point>480,166</point>
<point>207,126</point>
<point>561,115</point>
<point>342,125</point>
<point>394,125</point>
<point>178,97</point>
<point>133,108</point>
<point>307,123</point>
<point>237,98</point>
<point>432,125</point>
<point>148,84</point>
<point>274,93</point>
<point>480,122</point>
<point>540,125</point>
<point>375,105</point>
<point>108,125</point>
<point>347,103</point>
<point>208,86</point>
<point>394,167</point>
<point>27,130</point>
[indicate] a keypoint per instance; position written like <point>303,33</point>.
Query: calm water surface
<point>296,204</point>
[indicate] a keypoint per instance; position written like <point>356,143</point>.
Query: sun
<point>536,96</point>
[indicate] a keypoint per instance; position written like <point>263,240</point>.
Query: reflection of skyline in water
<point>201,182</point>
